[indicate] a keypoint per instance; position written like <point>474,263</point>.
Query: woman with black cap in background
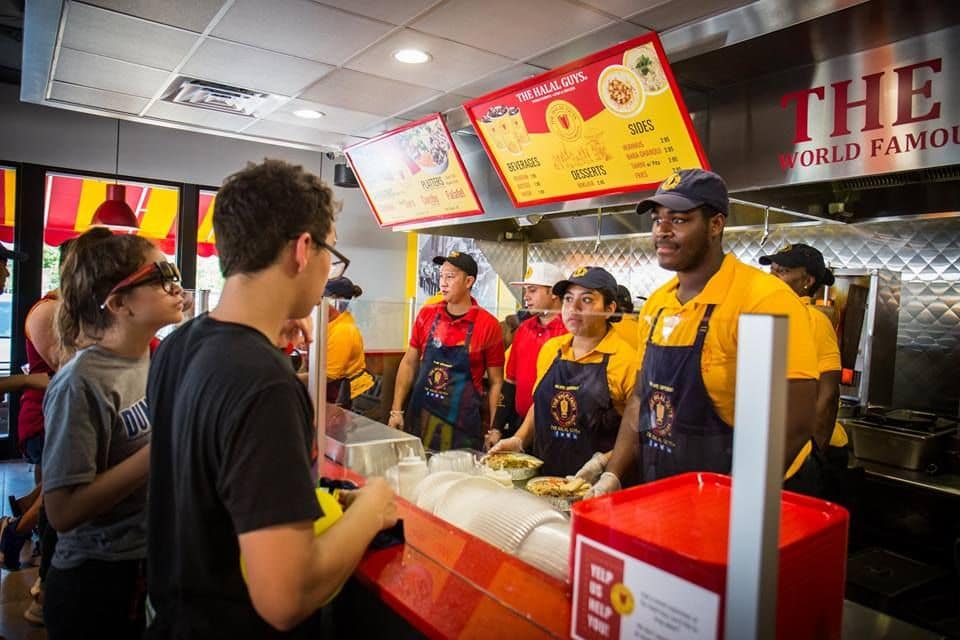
<point>347,375</point>
<point>802,268</point>
<point>584,379</point>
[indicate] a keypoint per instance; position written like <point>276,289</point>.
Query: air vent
<point>220,97</point>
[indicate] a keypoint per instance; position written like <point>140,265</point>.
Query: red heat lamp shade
<point>115,213</point>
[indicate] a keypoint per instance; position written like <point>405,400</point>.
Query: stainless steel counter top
<point>366,446</point>
<point>945,483</point>
<point>863,623</point>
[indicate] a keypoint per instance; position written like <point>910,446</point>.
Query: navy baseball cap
<point>801,255</point>
<point>341,288</point>
<point>462,261</point>
<point>596,278</point>
<point>688,189</point>
<point>10,254</point>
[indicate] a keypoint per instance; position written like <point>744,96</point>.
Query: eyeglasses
<point>339,264</point>
<point>166,273</point>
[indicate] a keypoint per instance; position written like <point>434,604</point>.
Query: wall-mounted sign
<point>609,123</point>
<point>413,174</point>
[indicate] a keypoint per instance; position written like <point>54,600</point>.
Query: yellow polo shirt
<point>735,289</point>
<point>828,357</point>
<point>628,328</point>
<point>621,367</point>
<point>345,356</point>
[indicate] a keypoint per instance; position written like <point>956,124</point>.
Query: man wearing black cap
<point>452,344</point>
<point>802,268</point>
<point>683,405</point>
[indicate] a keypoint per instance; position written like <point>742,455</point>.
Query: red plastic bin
<point>680,526</point>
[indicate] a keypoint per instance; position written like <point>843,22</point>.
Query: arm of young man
<point>73,490</point>
<point>495,378</point>
<point>290,572</point>
<point>828,402</point>
<point>406,374</point>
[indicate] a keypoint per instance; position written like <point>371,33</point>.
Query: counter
<point>943,483</point>
<point>448,584</point>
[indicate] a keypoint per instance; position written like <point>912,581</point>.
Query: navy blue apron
<point>445,407</point>
<point>680,429</point>
<point>575,416</point>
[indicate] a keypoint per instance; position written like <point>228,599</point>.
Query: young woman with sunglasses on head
<point>117,291</point>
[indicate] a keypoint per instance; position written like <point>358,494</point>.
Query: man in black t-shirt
<point>233,432</point>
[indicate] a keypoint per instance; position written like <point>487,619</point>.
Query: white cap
<point>543,274</point>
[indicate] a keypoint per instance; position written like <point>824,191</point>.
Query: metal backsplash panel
<point>926,253</point>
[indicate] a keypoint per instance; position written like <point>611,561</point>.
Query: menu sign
<point>413,174</point>
<point>609,123</point>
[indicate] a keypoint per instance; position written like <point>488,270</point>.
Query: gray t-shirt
<point>95,417</point>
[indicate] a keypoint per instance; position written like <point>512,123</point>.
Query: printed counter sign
<point>413,174</point>
<point>609,123</point>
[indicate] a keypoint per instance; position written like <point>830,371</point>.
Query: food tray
<point>524,466</point>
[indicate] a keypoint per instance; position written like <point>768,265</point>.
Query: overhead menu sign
<point>413,174</point>
<point>609,123</point>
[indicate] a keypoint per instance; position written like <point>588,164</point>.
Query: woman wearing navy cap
<point>347,375</point>
<point>584,379</point>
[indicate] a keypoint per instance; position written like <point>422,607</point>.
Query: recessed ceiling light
<point>309,114</point>
<point>411,56</point>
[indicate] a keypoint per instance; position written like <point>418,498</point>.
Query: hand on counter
<point>396,420</point>
<point>375,496</point>
<point>512,443</point>
<point>607,483</point>
<point>491,438</point>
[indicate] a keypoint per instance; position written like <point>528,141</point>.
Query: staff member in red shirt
<point>452,345</point>
<point>544,323</point>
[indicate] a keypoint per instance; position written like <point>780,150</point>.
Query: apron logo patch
<point>662,414</point>
<point>437,381</point>
<point>563,408</point>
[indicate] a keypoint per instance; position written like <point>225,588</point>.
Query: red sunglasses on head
<point>166,273</point>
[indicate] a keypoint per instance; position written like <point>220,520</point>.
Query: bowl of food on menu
<point>645,63</point>
<point>620,91</point>
<point>428,146</point>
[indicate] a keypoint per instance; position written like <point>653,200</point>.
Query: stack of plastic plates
<point>431,489</point>
<point>459,502</point>
<point>547,547</point>
<point>505,518</point>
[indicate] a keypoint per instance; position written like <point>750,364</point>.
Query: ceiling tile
<point>452,64</point>
<point>251,68</point>
<point>197,115</point>
<point>194,15</point>
<point>294,133</point>
<point>623,8</point>
<point>391,11</point>
<point>115,35</point>
<point>499,80</point>
<point>88,97</point>
<point>300,28</point>
<point>673,13</point>
<point>440,104</point>
<point>509,27</point>
<point>89,70</point>
<point>381,127</point>
<point>362,92</point>
<point>336,119</point>
<point>596,41</point>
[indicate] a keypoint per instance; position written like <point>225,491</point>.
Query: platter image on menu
<point>643,61</point>
<point>620,91</point>
<point>428,147</point>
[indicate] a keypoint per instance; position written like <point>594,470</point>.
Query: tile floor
<point>17,478</point>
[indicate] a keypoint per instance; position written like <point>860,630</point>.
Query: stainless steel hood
<point>718,61</point>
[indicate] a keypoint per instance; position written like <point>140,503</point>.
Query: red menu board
<point>609,123</point>
<point>413,174</point>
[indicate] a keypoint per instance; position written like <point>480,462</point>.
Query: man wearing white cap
<point>544,323</point>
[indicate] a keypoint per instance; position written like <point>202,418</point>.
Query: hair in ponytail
<point>94,264</point>
<point>357,292</point>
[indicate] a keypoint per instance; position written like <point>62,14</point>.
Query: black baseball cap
<point>462,261</point>
<point>688,189</point>
<point>801,255</point>
<point>596,278</point>
<point>10,254</point>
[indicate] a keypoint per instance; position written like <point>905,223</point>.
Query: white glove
<point>593,469</point>
<point>608,483</point>
<point>513,443</point>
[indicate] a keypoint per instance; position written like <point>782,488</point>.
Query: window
<point>8,190</point>
<point>208,264</point>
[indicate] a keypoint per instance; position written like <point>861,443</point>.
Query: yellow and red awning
<point>72,200</point>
